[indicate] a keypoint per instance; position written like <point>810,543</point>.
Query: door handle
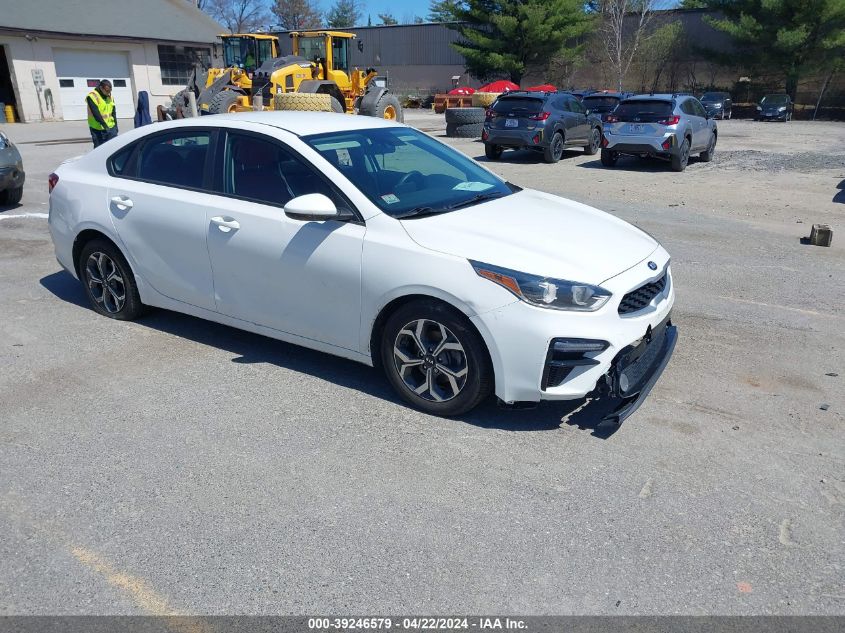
<point>225,225</point>
<point>122,202</point>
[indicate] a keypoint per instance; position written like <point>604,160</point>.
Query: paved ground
<point>173,465</point>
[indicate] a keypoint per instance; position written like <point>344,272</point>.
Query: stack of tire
<point>484,99</point>
<point>464,122</point>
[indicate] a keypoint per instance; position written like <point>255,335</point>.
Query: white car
<point>372,241</point>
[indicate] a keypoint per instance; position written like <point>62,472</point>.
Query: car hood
<point>537,233</point>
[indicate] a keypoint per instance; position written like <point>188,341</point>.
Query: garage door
<point>80,71</point>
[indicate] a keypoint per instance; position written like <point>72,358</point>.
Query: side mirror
<point>314,207</point>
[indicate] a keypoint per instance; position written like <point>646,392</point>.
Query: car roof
<point>653,97</point>
<point>593,95</point>
<point>299,123</point>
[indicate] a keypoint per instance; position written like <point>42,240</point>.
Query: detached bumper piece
<point>636,369</point>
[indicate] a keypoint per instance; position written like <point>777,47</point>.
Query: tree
<point>512,37</point>
<point>659,50</point>
<point>343,14</point>
<point>387,19</point>
<point>793,37</point>
<point>295,15</point>
<point>622,37</point>
<point>445,10</point>
<point>239,16</point>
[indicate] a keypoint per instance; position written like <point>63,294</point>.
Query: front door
<point>159,212</point>
<point>303,278</point>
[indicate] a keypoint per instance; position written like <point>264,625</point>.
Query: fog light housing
<point>565,354</point>
<point>484,135</point>
<point>667,144</point>
<point>604,141</point>
<point>537,138</point>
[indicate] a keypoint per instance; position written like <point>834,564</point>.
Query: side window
<point>686,108</point>
<point>119,162</point>
<point>577,106</point>
<point>264,171</point>
<point>699,109</point>
<point>176,159</point>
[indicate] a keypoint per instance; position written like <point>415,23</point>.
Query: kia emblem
<point>652,265</point>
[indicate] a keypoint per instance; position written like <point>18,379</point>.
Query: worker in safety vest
<point>102,116</point>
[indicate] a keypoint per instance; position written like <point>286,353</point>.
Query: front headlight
<point>4,141</point>
<point>545,292</point>
<point>759,108</point>
<point>782,109</point>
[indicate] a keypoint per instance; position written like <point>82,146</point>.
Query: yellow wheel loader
<point>317,76</point>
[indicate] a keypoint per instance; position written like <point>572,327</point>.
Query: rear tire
<point>609,158</point>
<point>554,151</point>
<point>680,160</point>
<point>427,381</point>
<point>493,152</point>
<point>109,282</point>
<point>337,106</point>
<point>592,148</point>
<point>11,196</point>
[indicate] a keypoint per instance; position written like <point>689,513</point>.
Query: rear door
<point>581,125</point>
<point>158,207</point>
<point>701,128</point>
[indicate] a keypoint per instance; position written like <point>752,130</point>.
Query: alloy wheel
<point>595,140</point>
<point>557,146</point>
<point>105,283</point>
<point>430,360</point>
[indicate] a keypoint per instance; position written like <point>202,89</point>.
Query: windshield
<point>646,111</point>
<point>600,104</point>
<point>775,100</point>
<point>312,48</point>
<point>241,52</point>
<point>713,96</point>
<point>405,172</point>
<point>517,105</point>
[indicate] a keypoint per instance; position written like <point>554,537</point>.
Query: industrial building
<point>52,53</point>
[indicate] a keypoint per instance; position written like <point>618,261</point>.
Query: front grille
<point>642,296</point>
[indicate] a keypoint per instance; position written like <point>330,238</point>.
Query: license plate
<point>636,128</point>
<point>511,123</point>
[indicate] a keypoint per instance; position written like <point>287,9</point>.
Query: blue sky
<point>398,9</point>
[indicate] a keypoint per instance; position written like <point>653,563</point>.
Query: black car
<point>546,122</point>
<point>717,104</point>
<point>774,108</point>
<point>580,94</point>
<point>603,103</point>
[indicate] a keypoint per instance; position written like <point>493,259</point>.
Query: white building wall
<point>25,55</point>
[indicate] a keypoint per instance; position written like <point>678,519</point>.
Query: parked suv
<point>717,104</point>
<point>775,107</point>
<point>11,172</point>
<point>669,127</point>
<point>603,103</point>
<point>546,122</point>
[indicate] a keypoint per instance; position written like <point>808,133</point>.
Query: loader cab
<point>329,50</point>
<point>248,52</point>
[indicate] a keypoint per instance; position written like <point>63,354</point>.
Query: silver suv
<point>669,127</point>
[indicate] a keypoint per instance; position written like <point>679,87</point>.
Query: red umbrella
<point>499,86</point>
<point>463,90</point>
<point>542,88</point>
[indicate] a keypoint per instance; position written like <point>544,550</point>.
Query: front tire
<point>434,359</point>
<point>707,155</point>
<point>388,107</point>
<point>12,196</point>
<point>109,282</point>
<point>224,102</point>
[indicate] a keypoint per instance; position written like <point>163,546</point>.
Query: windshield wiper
<point>476,199</point>
<point>419,212</point>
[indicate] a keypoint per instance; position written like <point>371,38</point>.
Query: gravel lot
<point>176,466</point>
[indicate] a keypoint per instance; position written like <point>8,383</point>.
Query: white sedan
<point>372,241</point>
